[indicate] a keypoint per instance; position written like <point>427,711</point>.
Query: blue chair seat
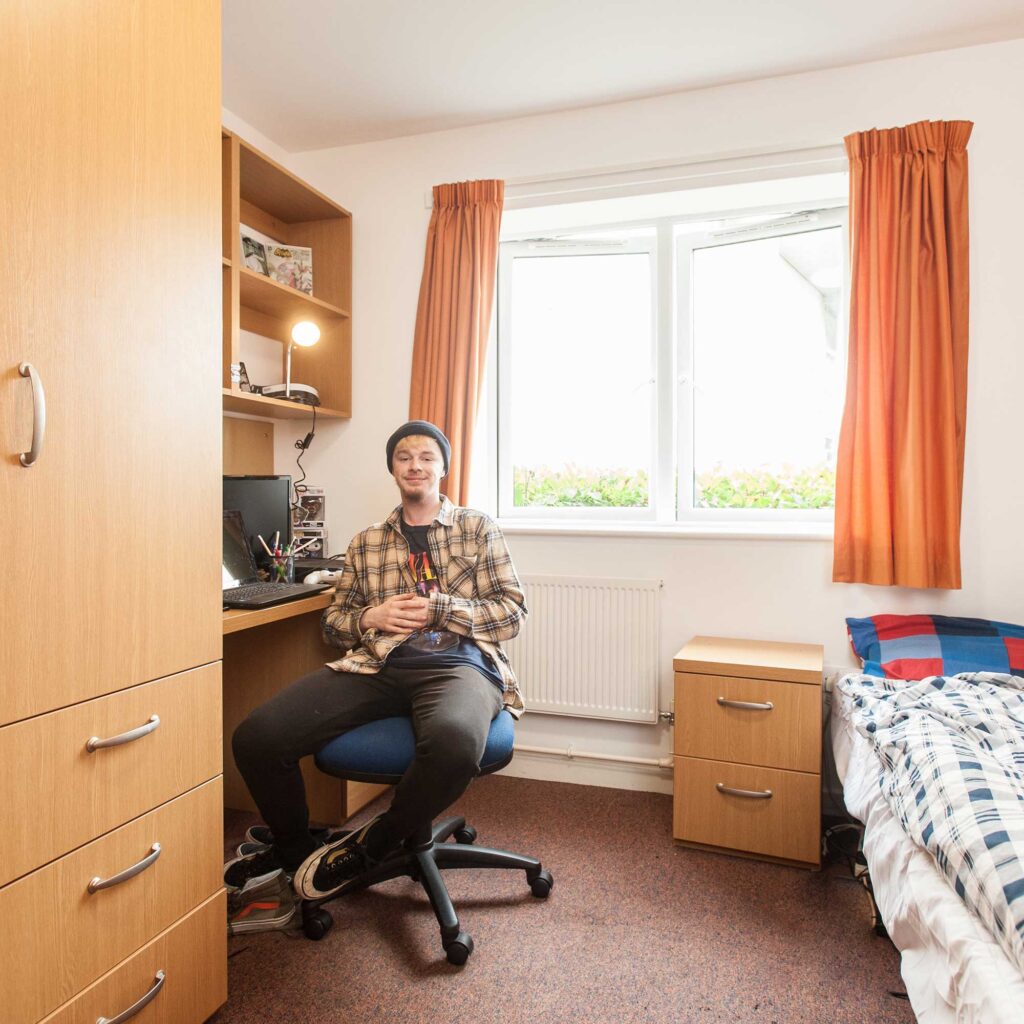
<point>381,751</point>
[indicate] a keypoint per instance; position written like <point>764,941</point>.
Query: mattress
<point>952,967</point>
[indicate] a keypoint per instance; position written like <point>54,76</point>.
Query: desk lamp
<point>305,333</point>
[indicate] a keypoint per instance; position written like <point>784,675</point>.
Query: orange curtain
<point>899,477</point>
<point>454,317</point>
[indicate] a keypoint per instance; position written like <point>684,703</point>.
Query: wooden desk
<point>265,650</point>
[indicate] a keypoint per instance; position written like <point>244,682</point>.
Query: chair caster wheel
<point>459,948</point>
<point>542,885</point>
<point>316,925</point>
<point>465,835</point>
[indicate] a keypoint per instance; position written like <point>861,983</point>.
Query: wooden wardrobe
<point>110,700</point>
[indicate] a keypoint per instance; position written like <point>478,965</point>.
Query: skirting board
<point>585,772</point>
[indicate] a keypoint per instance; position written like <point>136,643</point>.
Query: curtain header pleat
<point>468,193</point>
<point>920,137</point>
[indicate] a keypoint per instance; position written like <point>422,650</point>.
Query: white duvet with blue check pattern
<point>952,755</point>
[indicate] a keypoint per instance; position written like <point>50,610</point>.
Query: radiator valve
<point>668,716</point>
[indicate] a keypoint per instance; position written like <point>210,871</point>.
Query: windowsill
<point>704,531</point>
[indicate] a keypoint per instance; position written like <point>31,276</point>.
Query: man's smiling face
<point>418,467</point>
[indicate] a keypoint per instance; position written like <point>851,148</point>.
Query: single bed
<point>953,968</point>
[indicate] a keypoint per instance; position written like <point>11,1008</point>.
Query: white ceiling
<point>323,73</point>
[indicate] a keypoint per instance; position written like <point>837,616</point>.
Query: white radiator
<point>590,647</point>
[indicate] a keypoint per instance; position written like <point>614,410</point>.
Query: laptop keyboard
<point>250,590</point>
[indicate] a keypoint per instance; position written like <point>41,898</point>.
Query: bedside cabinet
<point>747,749</point>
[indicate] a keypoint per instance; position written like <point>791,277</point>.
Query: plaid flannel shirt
<point>480,597</point>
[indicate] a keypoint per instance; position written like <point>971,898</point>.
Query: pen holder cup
<point>282,569</point>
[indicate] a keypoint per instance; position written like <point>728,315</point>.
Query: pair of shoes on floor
<point>243,869</point>
<point>259,837</point>
<point>335,867</point>
<point>264,903</point>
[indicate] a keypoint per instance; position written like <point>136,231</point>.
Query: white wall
<point>770,589</point>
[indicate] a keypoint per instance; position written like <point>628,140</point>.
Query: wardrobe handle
<point>750,794</point>
<point>95,743</point>
<point>38,414</point>
<point>750,705</point>
<point>158,983</point>
<point>97,883</point>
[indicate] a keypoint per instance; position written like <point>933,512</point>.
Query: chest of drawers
<point>747,748</point>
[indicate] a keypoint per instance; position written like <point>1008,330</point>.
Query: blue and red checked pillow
<point>918,646</point>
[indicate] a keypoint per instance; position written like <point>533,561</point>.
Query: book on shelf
<point>254,255</point>
<point>290,265</point>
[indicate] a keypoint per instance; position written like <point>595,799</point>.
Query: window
<point>580,407</point>
<point>673,370</point>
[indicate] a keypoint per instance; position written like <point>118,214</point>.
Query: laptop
<point>242,587</point>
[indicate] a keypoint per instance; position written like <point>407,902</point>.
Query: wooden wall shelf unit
<point>278,408</point>
<point>263,195</point>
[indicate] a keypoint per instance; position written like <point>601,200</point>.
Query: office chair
<point>380,752</point>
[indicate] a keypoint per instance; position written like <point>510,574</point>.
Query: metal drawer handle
<point>98,883</point>
<point>38,414</point>
<point>158,983</point>
<point>751,794</point>
<point>750,705</point>
<point>95,743</point>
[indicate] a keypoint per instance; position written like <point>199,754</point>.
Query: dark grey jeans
<point>451,710</point>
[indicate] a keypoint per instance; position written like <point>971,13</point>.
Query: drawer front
<point>787,824</point>
<point>786,736</point>
<point>62,796</point>
<point>56,937</point>
<point>192,956</point>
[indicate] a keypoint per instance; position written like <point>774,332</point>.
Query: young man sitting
<point>425,599</point>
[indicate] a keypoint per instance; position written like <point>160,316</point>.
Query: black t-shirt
<point>435,648</point>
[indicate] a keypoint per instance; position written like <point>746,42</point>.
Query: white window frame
<point>672,408</point>
<point>626,244</point>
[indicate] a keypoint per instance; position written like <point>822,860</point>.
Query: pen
<point>265,548</point>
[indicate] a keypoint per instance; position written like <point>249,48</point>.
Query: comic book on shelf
<point>291,265</point>
<point>254,255</point>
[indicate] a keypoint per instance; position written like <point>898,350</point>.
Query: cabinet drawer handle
<point>95,743</point>
<point>158,983</point>
<point>38,414</point>
<point>122,876</point>
<point>750,705</point>
<point>750,794</point>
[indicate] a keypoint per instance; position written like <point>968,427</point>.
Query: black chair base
<point>422,859</point>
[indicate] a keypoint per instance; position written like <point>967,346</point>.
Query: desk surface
<point>236,619</point>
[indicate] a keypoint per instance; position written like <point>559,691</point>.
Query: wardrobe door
<point>110,228</point>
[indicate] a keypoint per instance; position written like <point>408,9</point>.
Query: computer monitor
<point>265,504</point>
<point>237,566</point>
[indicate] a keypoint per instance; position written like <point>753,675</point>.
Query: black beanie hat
<point>422,428</point>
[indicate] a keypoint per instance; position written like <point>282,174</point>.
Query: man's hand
<point>402,613</point>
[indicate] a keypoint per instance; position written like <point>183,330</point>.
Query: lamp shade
<point>305,333</point>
